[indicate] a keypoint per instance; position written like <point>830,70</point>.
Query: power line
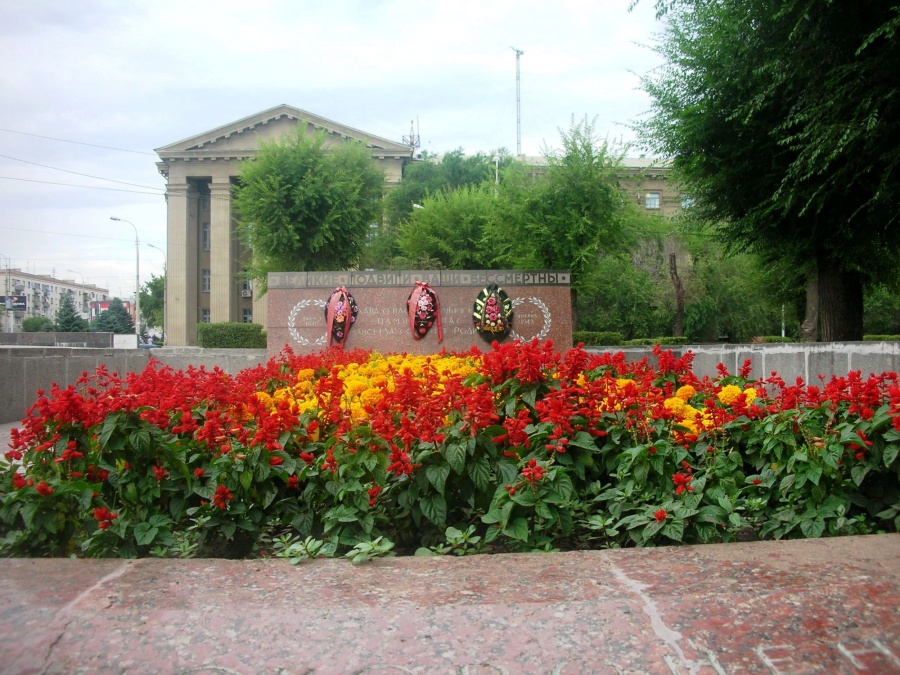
<point>89,187</point>
<point>93,145</point>
<point>85,175</point>
<point>64,234</point>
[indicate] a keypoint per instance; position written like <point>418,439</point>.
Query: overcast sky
<point>111,81</point>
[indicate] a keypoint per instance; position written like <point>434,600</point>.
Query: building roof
<point>240,138</point>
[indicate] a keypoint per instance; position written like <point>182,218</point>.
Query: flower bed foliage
<point>518,449</point>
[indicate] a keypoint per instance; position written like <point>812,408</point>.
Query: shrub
<point>519,449</point>
<point>597,338</point>
<point>36,324</point>
<point>649,342</point>
<point>881,338</point>
<point>231,336</point>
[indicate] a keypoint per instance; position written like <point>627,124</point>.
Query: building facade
<point>204,254</point>
<point>645,181</point>
<point>38,295</point>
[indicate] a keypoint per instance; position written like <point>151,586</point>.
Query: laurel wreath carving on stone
<point>537,302</point>
<point>292,329</point>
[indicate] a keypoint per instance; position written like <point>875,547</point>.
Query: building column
<point>181,272</point>
<point>222,259</point>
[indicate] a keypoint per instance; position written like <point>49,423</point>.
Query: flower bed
<point>518,449</point>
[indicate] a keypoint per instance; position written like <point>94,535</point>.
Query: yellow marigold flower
<point>729,394</point>
<point>265,399</point>
<point>750,395</point>
<point>305,375</point>
<point>676,405</point>
<point>623,382</point>
<point>689,419</point>
<point>686,392</point>
<point>370,397</point>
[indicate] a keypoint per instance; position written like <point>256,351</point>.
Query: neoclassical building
<point>204,254</point>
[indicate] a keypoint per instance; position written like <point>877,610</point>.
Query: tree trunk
<point>809,330</point>
<point>678,329</point>
<point>840,304</point>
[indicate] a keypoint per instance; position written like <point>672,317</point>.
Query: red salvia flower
<point>222,497</point>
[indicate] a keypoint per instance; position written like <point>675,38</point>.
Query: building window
<point>204,281</point>
<point>652,200</point>
<point>204,316</point>
<point>687,201</point>
<point>247,315</point>
<point>205,236</point>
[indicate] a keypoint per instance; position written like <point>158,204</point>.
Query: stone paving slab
<point>797,607</point>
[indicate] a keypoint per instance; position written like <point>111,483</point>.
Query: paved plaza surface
<point>815,606</point>
<point>828,606</point>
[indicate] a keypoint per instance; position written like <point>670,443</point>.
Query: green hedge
<point>231,336</point>
<point>650,342</point>
<point>771,339</point>
<point>594,338</point>
<point>881,338</point>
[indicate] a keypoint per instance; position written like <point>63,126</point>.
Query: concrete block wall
<point>24,370</point>
<point>789,360</point>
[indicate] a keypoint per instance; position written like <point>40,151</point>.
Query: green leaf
<point>543,510</point>
<point>145,533</point>
<point>437,476</point>
<point>711,513</point>
<point>507,471</point>
<point>812,528</point>
<point>246,479</point>
<point>858,473</point>
<point>890,453</point>
<point>583,439</point>
<point>455,454</point>
<point>434,507</point>
<point>673,529</point>
<point>480,472</point>
<point>517,529</point>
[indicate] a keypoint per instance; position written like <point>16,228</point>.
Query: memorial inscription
<point>295,318</point>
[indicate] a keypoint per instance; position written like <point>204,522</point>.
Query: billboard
<point>17,303</point>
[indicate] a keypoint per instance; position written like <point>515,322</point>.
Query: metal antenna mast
<point>519,53</point>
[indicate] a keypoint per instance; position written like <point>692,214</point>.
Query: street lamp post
<point>165,285</point>
<point>9,311</point>
<point>137,276</point>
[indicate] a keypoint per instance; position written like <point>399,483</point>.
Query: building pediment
<point>240,139</point>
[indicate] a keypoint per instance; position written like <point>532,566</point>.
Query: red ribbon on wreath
<point>340,314</point>
<point>424,311</point>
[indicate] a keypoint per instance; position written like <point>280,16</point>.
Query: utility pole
<point>519,53</point>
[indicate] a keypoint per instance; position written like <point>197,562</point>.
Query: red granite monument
<point>416,311</point>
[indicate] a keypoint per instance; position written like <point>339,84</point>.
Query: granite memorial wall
<point>296,309</point>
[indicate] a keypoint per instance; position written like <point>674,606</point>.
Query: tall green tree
<point>307,205</point>
<point>67,318</point>
<point>153,297</point>
<point>782,118</point>
<point>564,217</point>
<point>433,175</point>
<point>116,319</point>
<point>450,228</point>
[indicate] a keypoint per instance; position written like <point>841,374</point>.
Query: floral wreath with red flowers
<point>493,313</point>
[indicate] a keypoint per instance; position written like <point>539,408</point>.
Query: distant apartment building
<point>645,181</point>
<point>39,295</point>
